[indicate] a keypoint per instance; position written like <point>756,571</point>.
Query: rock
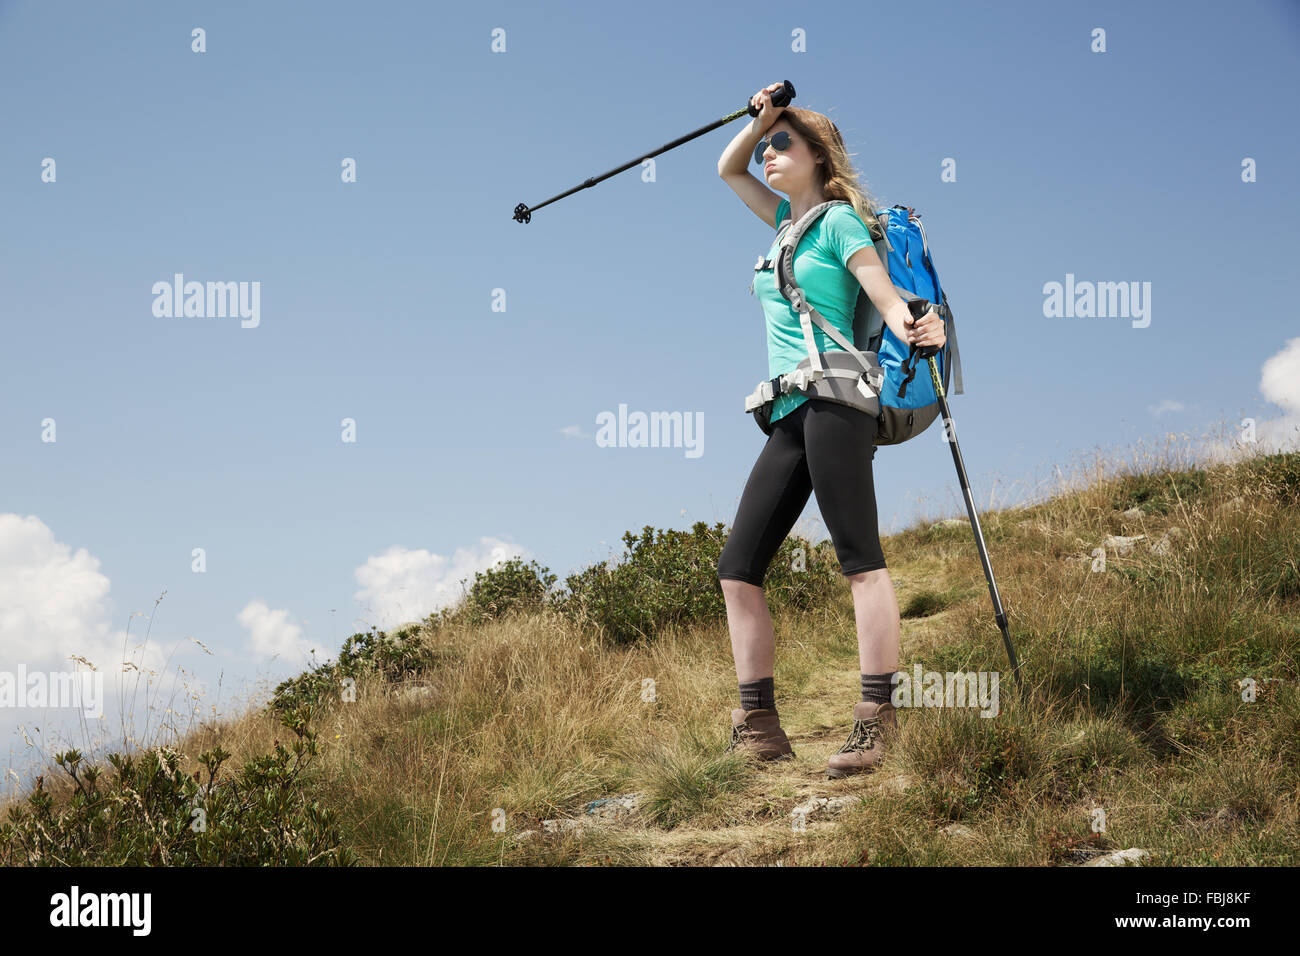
<point>952,523</point>
<point>1119,857</point>
<point>1134,513</point>
<point>611,809</point>
<point>956,830</point>
<point>1234,504</point>
<point>416,692</point>
<point>1165,544</point>
<point>565,825</point>
<point>1121,544</point>
<point>597,813</point>
<point>823,806</point>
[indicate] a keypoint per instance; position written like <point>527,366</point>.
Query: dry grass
<point>1133,706</point>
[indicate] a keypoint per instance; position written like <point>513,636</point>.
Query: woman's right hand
<point>767,113</point>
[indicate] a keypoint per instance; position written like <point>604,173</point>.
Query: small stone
<point>597,813</point>
<point>614,808</point>
<point>564,825</point>
<point>1119,858</point>
<point>823,806</point>
<point>1121,544</point>
<point>956,830</point>
<point>1134,513</point>
<point>416,692</point>
<point>952,523</point>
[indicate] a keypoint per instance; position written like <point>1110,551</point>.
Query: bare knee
<point>739,591</point>
<point>869,578</point>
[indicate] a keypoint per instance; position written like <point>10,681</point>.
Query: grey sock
<point>876,688</point>
<point>758,694</point>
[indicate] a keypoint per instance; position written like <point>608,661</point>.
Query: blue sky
<point>474,426</point>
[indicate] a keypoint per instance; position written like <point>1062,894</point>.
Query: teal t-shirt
<point>821,266</point>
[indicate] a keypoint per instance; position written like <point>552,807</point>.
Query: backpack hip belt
<point>852,377</point>
<point>842,378</point>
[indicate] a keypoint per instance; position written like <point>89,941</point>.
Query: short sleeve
<point>846,233</point>
<point>782,210</point>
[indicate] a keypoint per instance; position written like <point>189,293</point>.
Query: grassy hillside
<point>527,704</point>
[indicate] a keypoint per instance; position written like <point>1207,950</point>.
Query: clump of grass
<point>924,603</point>
<point>685,787</point>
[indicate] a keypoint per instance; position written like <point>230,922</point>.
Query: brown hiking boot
<point>865,747</point>
<point>759,732</point>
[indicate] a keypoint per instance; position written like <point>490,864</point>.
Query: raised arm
<point>733,166</point>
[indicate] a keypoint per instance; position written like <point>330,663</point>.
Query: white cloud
<point>54,603</point>
<point>573,431</point>
<point>404,585</point>
<point>272,634</point>
<point>1167,405</point>
<point>1279,382</point>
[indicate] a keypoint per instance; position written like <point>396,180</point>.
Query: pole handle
<point>918,308</point>
<point>781,97</point>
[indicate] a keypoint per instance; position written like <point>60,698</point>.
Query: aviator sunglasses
<point>779,142</point>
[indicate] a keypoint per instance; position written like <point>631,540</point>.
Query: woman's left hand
<point>927,330</point>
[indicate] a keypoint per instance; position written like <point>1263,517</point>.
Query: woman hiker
<point>815,445</point>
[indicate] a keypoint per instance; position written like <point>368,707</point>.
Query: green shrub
<point>392,658</point>
<point>669,578</point>
<point>1159,492</point>
<point>510,587</point>
<point>153,814</point>
<point>1279,474</point>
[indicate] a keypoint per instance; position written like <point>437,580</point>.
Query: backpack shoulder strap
<point>789,288</point>
<point>789,237</point>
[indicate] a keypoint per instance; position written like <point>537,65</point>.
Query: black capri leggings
<point>822,447</point>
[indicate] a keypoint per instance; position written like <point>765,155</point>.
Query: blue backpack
<point>877,371</point>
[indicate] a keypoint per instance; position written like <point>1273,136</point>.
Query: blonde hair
<point>836,175</point>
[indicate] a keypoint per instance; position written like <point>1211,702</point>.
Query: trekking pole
<point>918,308</point>
<point>781,97</point>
